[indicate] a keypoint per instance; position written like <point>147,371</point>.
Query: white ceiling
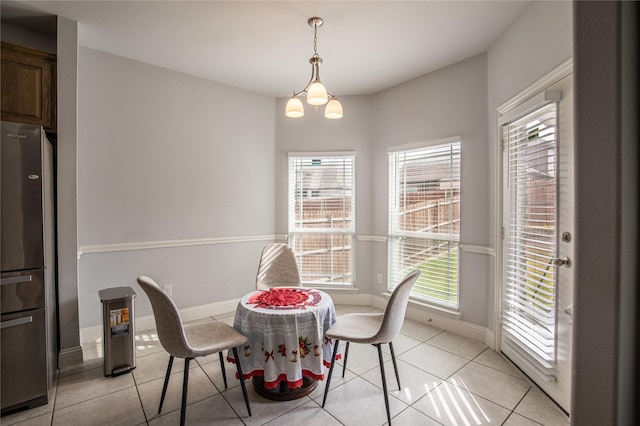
<point>264,46</point>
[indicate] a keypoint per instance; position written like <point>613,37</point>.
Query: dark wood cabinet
<point>28,86</point>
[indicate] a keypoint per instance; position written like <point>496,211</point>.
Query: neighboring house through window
<point>424,219</point>
<point>321,215</point>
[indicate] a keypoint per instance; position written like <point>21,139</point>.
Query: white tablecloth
<point>285,327</point>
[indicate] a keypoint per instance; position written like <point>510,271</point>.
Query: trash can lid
<point>115,293</point>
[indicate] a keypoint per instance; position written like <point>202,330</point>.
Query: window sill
<point>346,289</point>
<point>440,309</point>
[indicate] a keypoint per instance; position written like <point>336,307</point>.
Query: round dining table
<point>286,348</point>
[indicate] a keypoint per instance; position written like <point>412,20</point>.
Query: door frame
<point>520,101</point>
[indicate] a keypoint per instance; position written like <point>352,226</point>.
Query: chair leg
<point>166,383</point>
<point>384,382</point>
<point>224,373</point>
<point>346,354</point>
<point>395,365</point>
<point>242,384</point>
<point>333,361</point>
<point>185,386</point>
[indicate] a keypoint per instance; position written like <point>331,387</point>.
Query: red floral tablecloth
<point>285,327</point>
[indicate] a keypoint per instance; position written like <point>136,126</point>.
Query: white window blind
<point>321,216</point>
<point>424,220</point>
<point>529,311</point>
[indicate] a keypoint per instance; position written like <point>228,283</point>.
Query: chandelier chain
<point>315,39</point>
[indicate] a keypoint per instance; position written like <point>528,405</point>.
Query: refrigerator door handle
<point>16,322</point>
<point>16,280</point>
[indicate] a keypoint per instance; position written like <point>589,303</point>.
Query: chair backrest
<point>396,308</point>
<point>168,320</point>
<point>277,267</point>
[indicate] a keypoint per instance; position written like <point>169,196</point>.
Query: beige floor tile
<point>88,364</point>
<point>213,410</point>
<point>496,361</point>
<point>411,416</point>
<point>433,360</point>
<point>537,406</point>
<point>214,372</point>
<point>517,420</point>
<point>263,410</point>
<point>358,402</point>
<point>41,420</point>
<point>362,358</point>
<point>458,345</point>
<point>309,414</point>
<point>418,330</point>
<point>415,382</point>
<point>401,344</point>
<point>494,385</point>
<point>87,385</point>
<point>451,405</point>
<point>147,342</point>
<point>154,366</point>
<point>336,380</point>
<point>118,408</point>
<point>199,388</point>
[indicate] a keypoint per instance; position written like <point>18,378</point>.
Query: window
<point>321,216</point>
<point>424,220</point>
<point>531,193</point>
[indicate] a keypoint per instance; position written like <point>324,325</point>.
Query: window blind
<point>321,216</point>
<point>529,311</point>
<point>424,220</point>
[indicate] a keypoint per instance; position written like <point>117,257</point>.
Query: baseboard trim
<point>70,356</point>
<point>442,320</point>
<point>92,336</point>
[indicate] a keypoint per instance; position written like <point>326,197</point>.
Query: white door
<point>537,244</point>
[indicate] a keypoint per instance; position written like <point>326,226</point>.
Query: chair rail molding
<point>148,245</point>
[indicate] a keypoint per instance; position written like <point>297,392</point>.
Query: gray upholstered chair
<point>189,341</point>
<point>277,268</point>
<point>375,329</point>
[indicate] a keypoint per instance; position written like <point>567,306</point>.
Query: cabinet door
<point>28,86</point>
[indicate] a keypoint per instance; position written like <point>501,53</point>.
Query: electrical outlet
<point>379,278</point>
<point>168,288</point>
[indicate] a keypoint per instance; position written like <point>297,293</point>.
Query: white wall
<point>164,156</point>
<point>449,102</point>
<point>536,43</point>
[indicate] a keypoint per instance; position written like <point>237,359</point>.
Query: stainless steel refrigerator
<point>28,291</point>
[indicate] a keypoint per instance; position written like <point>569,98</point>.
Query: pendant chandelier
<point>316,92</point>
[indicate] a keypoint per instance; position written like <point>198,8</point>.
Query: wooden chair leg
<point>185,386</point>
<point>346,354</point>
<point>224,373</point>
<point>395,365</point>
<point>166,383</point>
<point>333,361</point>
<point>242,384</point>
<point>384,382</point>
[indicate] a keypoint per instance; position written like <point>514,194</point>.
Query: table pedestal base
<point>282,392</point>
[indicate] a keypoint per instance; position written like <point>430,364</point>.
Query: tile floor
<point>447,380</point>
